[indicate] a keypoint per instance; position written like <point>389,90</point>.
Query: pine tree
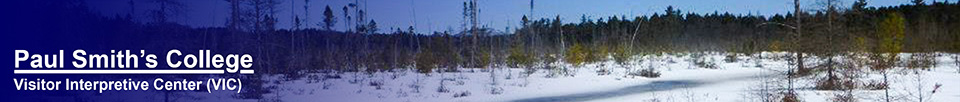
<point>167,8</point>
<point>890,33</point>
<point>917,2</point>
<point>346,17</point>
<point>859,5</point>
<point>328,18</point>
<point>372,27</point>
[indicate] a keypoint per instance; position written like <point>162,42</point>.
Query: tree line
<point>251,28</point>
<point>928,28</point>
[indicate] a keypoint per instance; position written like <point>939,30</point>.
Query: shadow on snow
<point>650,87</point>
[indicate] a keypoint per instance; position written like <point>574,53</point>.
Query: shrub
<point>846,96</point>
<point>700,60</point>
<point>834,84</point>
<point>603,71</point>
<point>443,89</point>
<point>921,61</point>
<point>789,97</point>
<point>425,62</point>
<point>518,58</point>
<point>730,58</point>
<point>621,54</point>
<point>649,73</point>
<point>875,85</point>
<point>462,94</point>
<point>576,54</point>
<point>377,84</point>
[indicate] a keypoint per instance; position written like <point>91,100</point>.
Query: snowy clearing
<point>743,80</point>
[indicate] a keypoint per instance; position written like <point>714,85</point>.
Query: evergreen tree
<point>328,18</point>
<point>890,33</point>
<point>859,5</point>
<point>167,8</point>
<point>372,27</point>
<point>346,17</point>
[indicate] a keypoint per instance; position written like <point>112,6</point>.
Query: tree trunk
<point>886,90</point>
<point>830,71</point>
<point>919,84</point>
<point>956,60</point>
<point>800,67</point>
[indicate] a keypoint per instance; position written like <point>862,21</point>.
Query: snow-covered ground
<point>681,80</point>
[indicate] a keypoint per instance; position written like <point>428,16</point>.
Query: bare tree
<point>798,29</point>
<point>470,17</point>
<point>235,15</point>
<point>832,80</point>
<point>297,22</point>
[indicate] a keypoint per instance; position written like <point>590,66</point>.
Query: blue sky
<point>441,15</point>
